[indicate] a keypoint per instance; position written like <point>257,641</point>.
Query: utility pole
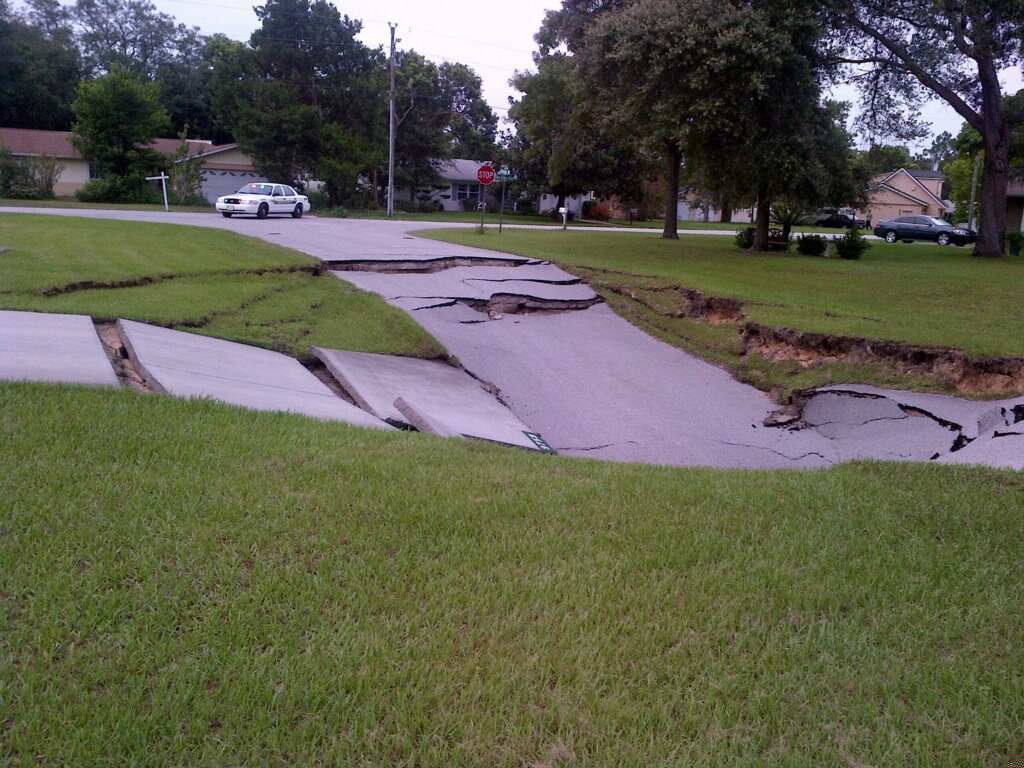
<point>391,127</point>
<point>972,217</point>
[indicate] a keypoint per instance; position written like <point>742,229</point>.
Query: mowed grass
<point>196,279</point>
<point>64,202</point>
<point>186,583</point>
<point>491,217</point>
<point>918,294</point>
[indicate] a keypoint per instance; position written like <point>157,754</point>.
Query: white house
<point>225,168</point>
<point>457,182</point>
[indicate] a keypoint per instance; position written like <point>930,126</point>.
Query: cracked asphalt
<point>594,385</point>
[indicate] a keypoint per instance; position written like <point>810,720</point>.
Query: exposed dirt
<point>136,282</point>
<point>319,370</point>
<point>117,353</point>
<point>679,301</point>
<point>970,376</point>
<point>951,368</point>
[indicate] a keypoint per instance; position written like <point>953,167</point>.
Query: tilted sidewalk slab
<point>37,346</point>
<point>444,395</point>
<point>975,417</point>
<point>191,365</point>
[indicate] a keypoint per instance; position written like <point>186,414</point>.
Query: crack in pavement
<point>583,449</point>
<point>777,453</point>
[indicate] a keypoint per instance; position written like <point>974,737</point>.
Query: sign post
<point>485,175</point>
<point>503,175</point>
<point>162,178</point>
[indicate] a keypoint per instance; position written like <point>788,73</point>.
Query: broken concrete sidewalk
<point>536,286</point>
<point>191,365</point>
<point>37,346</point>
<point>434,396</point>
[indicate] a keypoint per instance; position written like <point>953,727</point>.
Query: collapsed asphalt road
<point>594,385</point>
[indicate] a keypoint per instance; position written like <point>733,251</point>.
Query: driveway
<point>594,385</point>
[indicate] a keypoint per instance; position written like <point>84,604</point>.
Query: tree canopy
<point>905,50</point>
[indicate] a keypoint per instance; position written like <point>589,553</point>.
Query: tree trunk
<point>726,211</point>
<point>674,158</point>
<point>764,209</point>
<point>996,178</point>
<point>561,203</point>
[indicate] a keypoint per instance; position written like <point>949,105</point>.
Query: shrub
<point>811,245</point>
<point>1014,240</point>
<point>469,204</point>
<point>595,209</point>
<point>745,238</point>
<point>851,245</point>
<point>405,206</point>
<point>28,178</point>
<point>318,200</point>
<point>337,212</point>
<point>119,189</point>
<point>526,208</point>
<point>430,206</point>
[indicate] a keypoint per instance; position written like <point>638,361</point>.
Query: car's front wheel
<point>297,213</point>
<point>890,237</point>
<point>263,211</point>
<point>942,239</point>
<point>225,214</point>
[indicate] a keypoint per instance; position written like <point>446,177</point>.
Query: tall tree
<point>950,49</point>
<point>543,119</point>
<point>472,125</point>
<point>422,118</point>
<point>714,81</point>
<point>131,34</point>
<point>116,118</point>
<point>184,82</point>
<point>41,67</point>
<point>939,152</point>
<point>308,85</point>
<point>882,158</point>
<point>565,144</point>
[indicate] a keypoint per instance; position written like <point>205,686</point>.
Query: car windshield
<point>939,222</point>
<point>256,189</point>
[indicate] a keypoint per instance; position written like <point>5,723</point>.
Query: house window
<point>467,191</point>
<point>94,170</point>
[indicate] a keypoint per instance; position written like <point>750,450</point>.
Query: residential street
<point>590,382</point>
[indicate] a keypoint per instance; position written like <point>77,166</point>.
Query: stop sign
<point>486,175</point>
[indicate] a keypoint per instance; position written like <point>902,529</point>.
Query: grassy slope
<point>66,203</point>
<point>205,281</point>
<point>918,294</point>
<point>223,587</point>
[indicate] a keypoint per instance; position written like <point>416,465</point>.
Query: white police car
<point>262,199</point>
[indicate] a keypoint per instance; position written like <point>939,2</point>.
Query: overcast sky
<point>495,38</point>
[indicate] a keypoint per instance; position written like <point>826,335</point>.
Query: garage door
<point>217,183</point>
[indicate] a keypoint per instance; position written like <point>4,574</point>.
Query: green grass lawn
<point>198,279</point>
<point>490,218</point>
<point>186,583</point>
<point>64,202</point>
<point>918,294</point>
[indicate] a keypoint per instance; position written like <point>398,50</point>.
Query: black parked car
<point>924,228</point>
<point>840,220</point>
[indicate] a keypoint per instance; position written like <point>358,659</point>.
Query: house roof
<point>28,141</point>
<point>899,192</point>
<point>916,179</point>
<point>459,170</point>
